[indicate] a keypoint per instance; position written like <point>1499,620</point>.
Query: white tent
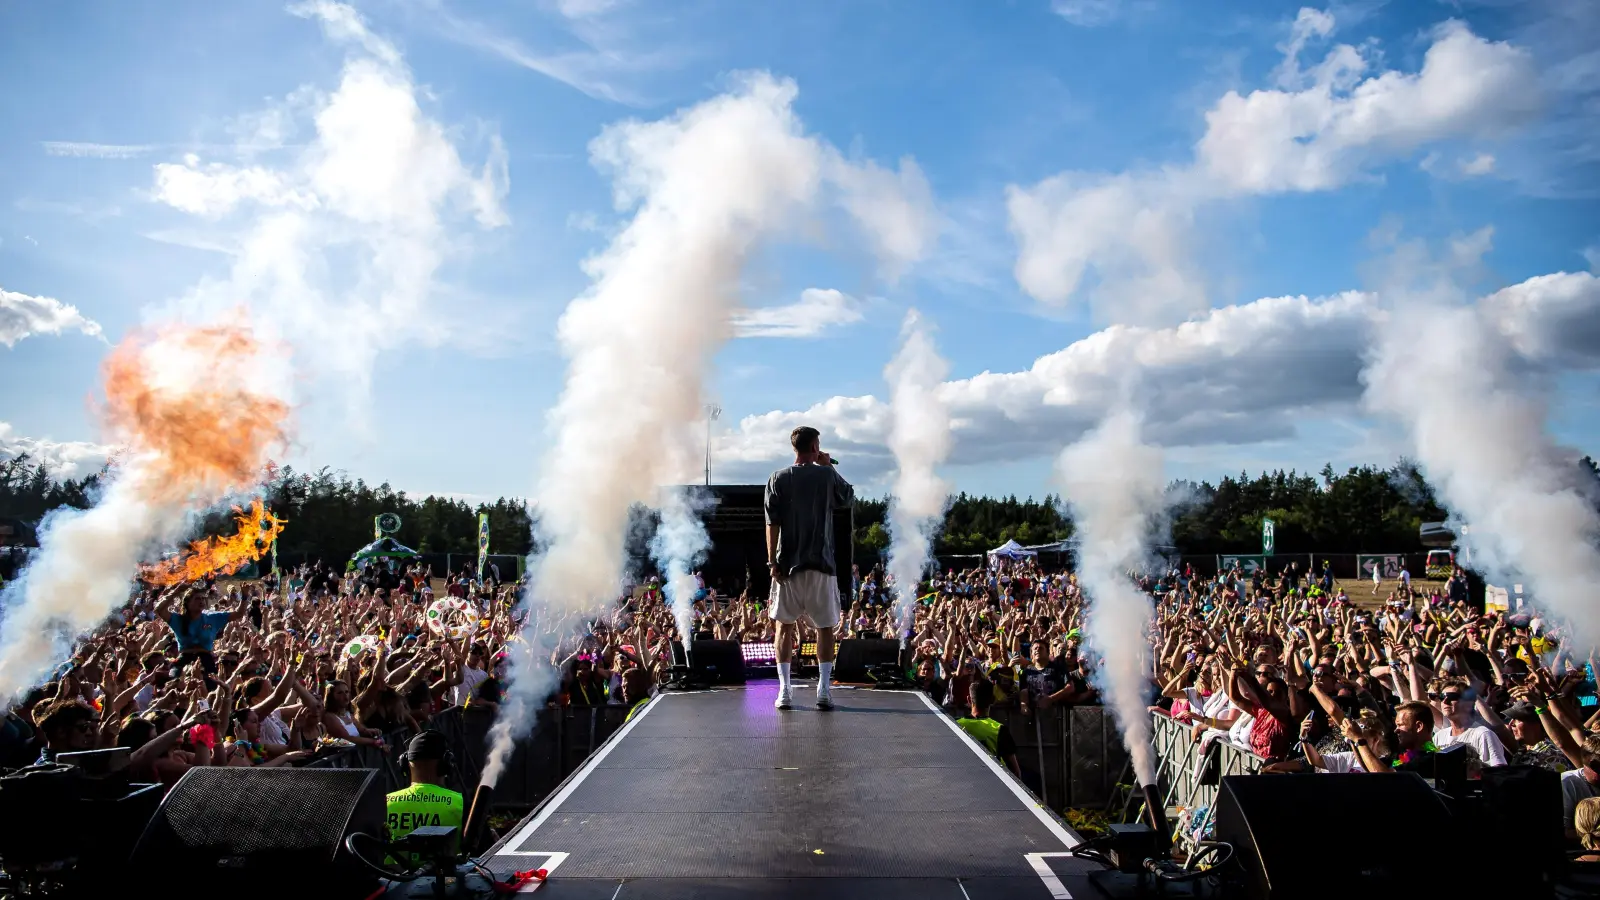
<point>1010,550</point>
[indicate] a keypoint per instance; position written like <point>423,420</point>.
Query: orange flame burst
<point>220,555</point>
<point>191,400</point>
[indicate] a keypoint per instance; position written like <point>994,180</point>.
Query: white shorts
<point>807,594</point>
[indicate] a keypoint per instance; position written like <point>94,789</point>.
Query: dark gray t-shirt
<point>801,501</point>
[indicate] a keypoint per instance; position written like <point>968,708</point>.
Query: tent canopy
<point>1011,550</point>
<point>384,547</point>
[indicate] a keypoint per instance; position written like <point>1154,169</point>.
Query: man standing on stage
<point>800,503</point>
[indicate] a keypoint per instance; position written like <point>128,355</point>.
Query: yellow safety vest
<point>984,731</point>
<point>420,805</point>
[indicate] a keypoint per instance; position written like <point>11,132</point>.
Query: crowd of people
<point>1287,666</point>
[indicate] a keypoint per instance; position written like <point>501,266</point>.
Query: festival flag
<point>483,542</point>
<point>377,528</point>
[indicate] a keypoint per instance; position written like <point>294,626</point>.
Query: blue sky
<point>1057,169</point>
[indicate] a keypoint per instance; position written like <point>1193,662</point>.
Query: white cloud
<point>217,189</point>
<point>63,459</point>
<point>1482,164</point>
<point>1126,239</point>
<point>1324,136</point>
<point>583,9</point>
<point>86,150</point>
<point>1235,375</point>
<point>1308,24</point>
<point>1551,318</point>
<point>1130,235</point>
<point>22,315</point>
<point>817,310</point>
<point>1087,13</point>
<point>606,67</point>
<point>336,249</point>
<point>896,209</point>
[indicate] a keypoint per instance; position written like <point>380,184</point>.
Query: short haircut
<point>1422,711</point>
<point>804,439</point>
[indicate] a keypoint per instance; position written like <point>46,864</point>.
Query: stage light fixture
<point>759,653</point>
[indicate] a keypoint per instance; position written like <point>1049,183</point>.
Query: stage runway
<point>717,795</point>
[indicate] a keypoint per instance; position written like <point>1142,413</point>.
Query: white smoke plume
<point>1112,481</point>
<point>708,185</point>
<point>920,438</point>
<point>680,543</point>
<point>1475,416</point>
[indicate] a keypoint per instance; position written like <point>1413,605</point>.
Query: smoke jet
<point>920,438</point>
<point>1474,414</point>
<point>1112,482</point>
<point>195,423</point>
<point>709,183</point>
<point>680,543</point>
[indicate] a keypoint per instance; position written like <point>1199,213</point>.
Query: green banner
<point>483,542</point>
<point>1268,536</point>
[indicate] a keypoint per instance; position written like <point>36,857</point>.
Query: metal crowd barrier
<point>562,740</point>
<point>1190,775</point>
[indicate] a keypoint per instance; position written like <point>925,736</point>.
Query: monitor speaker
<point>1312,836</point>
<point>263,822</point>
<point>856,655</point>
<point>719,662</point>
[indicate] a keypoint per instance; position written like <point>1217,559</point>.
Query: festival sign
<point>1387,564</point>
<point>1249,562</point>
<point>1268,536</point>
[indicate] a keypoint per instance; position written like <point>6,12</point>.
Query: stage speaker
<point>264,822</point>
<point>1317,836</point>
<point>1521,807</point>
<point>719,662</point>
<point>856,655</point>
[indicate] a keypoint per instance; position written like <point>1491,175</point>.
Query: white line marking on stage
<point>1048,876</point>
<point>958,884</point>
<point>1033,805</point>
<point>588,767</point>
<point>550,865</point>
<point>618,891</point>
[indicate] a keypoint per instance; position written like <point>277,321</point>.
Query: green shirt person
<point>427,801</point>
<point>995,737</point>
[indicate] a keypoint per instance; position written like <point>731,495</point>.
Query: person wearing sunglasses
<point>68,726</point>
<point>1456,698</point>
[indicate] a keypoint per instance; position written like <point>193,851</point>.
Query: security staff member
<point>635,691</point>
<point>427,801</point>
<point>995,737</point>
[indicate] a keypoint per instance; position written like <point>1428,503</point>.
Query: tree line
<point>1365,509</point>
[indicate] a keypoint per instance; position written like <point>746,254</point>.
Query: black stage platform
<point>715,794</point>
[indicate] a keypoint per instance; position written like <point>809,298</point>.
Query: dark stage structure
<point>735,521</point>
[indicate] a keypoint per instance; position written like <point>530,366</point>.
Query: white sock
<point>824,676</point>
<point>783,677</point>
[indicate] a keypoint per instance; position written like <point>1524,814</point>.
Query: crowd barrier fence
<point>1190,773</point>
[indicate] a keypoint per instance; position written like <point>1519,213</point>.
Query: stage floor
<point>716,794</point>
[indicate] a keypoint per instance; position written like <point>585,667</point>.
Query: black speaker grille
<point>237,812</point>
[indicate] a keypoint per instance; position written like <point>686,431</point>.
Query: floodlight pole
<point>713,412</point>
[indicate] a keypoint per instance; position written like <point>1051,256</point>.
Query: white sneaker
<point>785,700</point>
<point>824,700</point>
